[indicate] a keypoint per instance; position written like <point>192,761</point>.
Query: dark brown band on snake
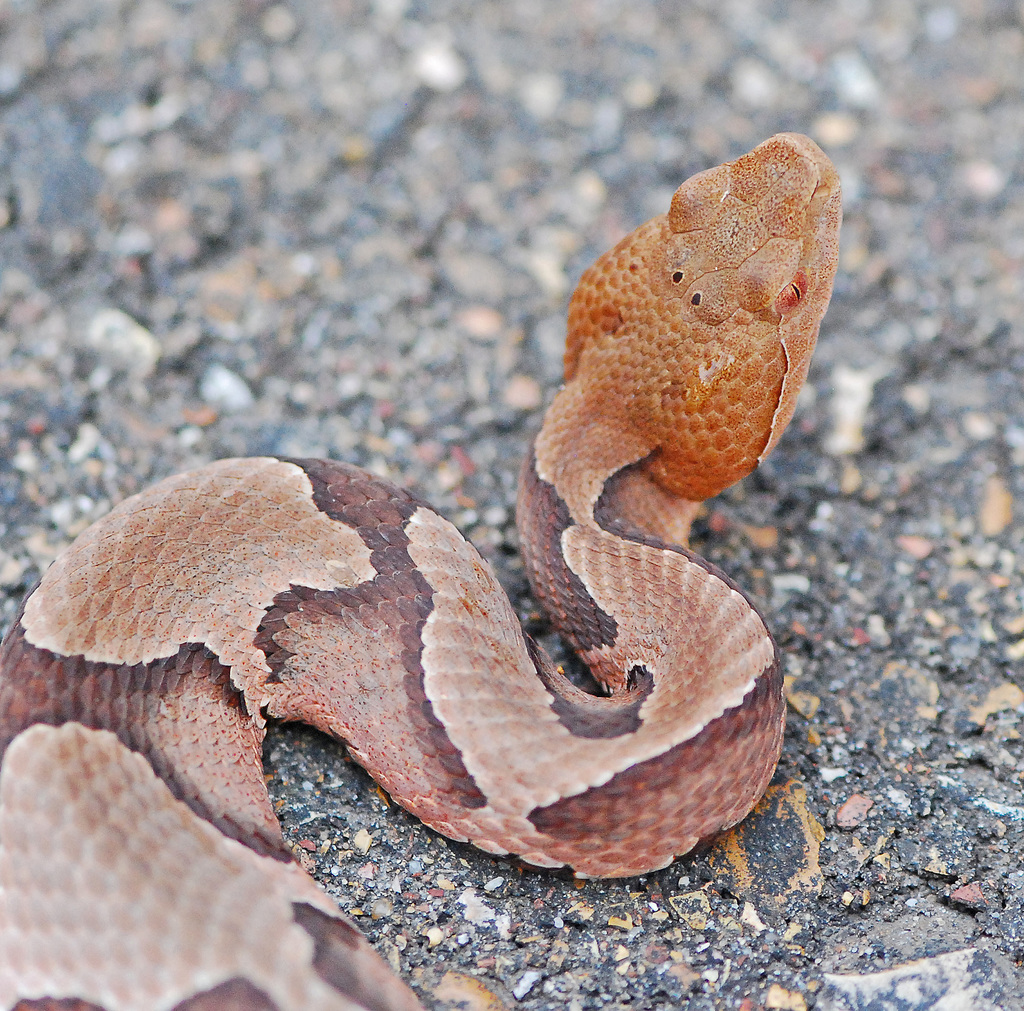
<point>559,590</point>
<point>233,995</point>
<point>141,864</point>
<point>695,779</point>
<point>146,706</point>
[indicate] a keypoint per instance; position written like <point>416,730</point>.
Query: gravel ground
<point>351,229</point>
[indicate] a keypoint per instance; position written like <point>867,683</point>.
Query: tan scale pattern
<point>701,636</point>
<point>642,503</point>
<point>370,680</point>
<point>683,798</point>
<point>183,714</point>
<point>703,639</point>
<point>114,892</point>
<point>111,597</point>
<point>374,720</point>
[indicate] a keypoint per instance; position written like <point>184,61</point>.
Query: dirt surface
<point>351,230</point>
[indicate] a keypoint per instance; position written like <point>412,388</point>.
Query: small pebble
<point>791,582</point>
<point>128,345</point>
<point>439,67</point>
<point>640,93</point>
<point>854,810</point>
<point>941,23</point>
<point>525,984</point>
<point>278,23</point>
<point>381,908</point>
<point>831,775</point>
<point>523,393</point>
<point>917,547</point>
<point>850,402</point>
<point>754,84</point>
<point>856,84</point>
<point>541,94</point>
<point>835,129</point>
<point>983,179</point>
<point>228,390</point>
<point>480,321</point>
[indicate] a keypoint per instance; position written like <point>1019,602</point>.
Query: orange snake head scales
<point>694,334</point>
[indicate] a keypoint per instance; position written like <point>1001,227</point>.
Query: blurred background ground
<point>350,229</point>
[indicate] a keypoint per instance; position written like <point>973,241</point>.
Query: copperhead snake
<point>141,863</point>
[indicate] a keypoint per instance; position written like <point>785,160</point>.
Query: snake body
<point>141,863</point>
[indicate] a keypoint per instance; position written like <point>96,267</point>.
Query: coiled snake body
<point>141,864</point>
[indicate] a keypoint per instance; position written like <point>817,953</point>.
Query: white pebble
<point>941,24</point>
<point>278,24</point>
<point>439,67</point>
<point>983,179</point>
<point>477,911</point>
<point>129,345</point>
<point>754,84</point>
<point>225,388</point>
<point>541,94</point>
<point>853,391</point>
<point>26,461</point>
<point>855,83</point>
<point>525,984</point>
<point>87,439</point>
<point>791,582</point>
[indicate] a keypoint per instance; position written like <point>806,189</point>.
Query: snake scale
<point>141,863</point>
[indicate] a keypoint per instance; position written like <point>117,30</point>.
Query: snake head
<point>703,320</point>
<point>756,235</point>
<point>751,254</point>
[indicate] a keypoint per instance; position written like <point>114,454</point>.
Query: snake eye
<point>790,296</point>
<point>677,277</point>
<point>695,298</point>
